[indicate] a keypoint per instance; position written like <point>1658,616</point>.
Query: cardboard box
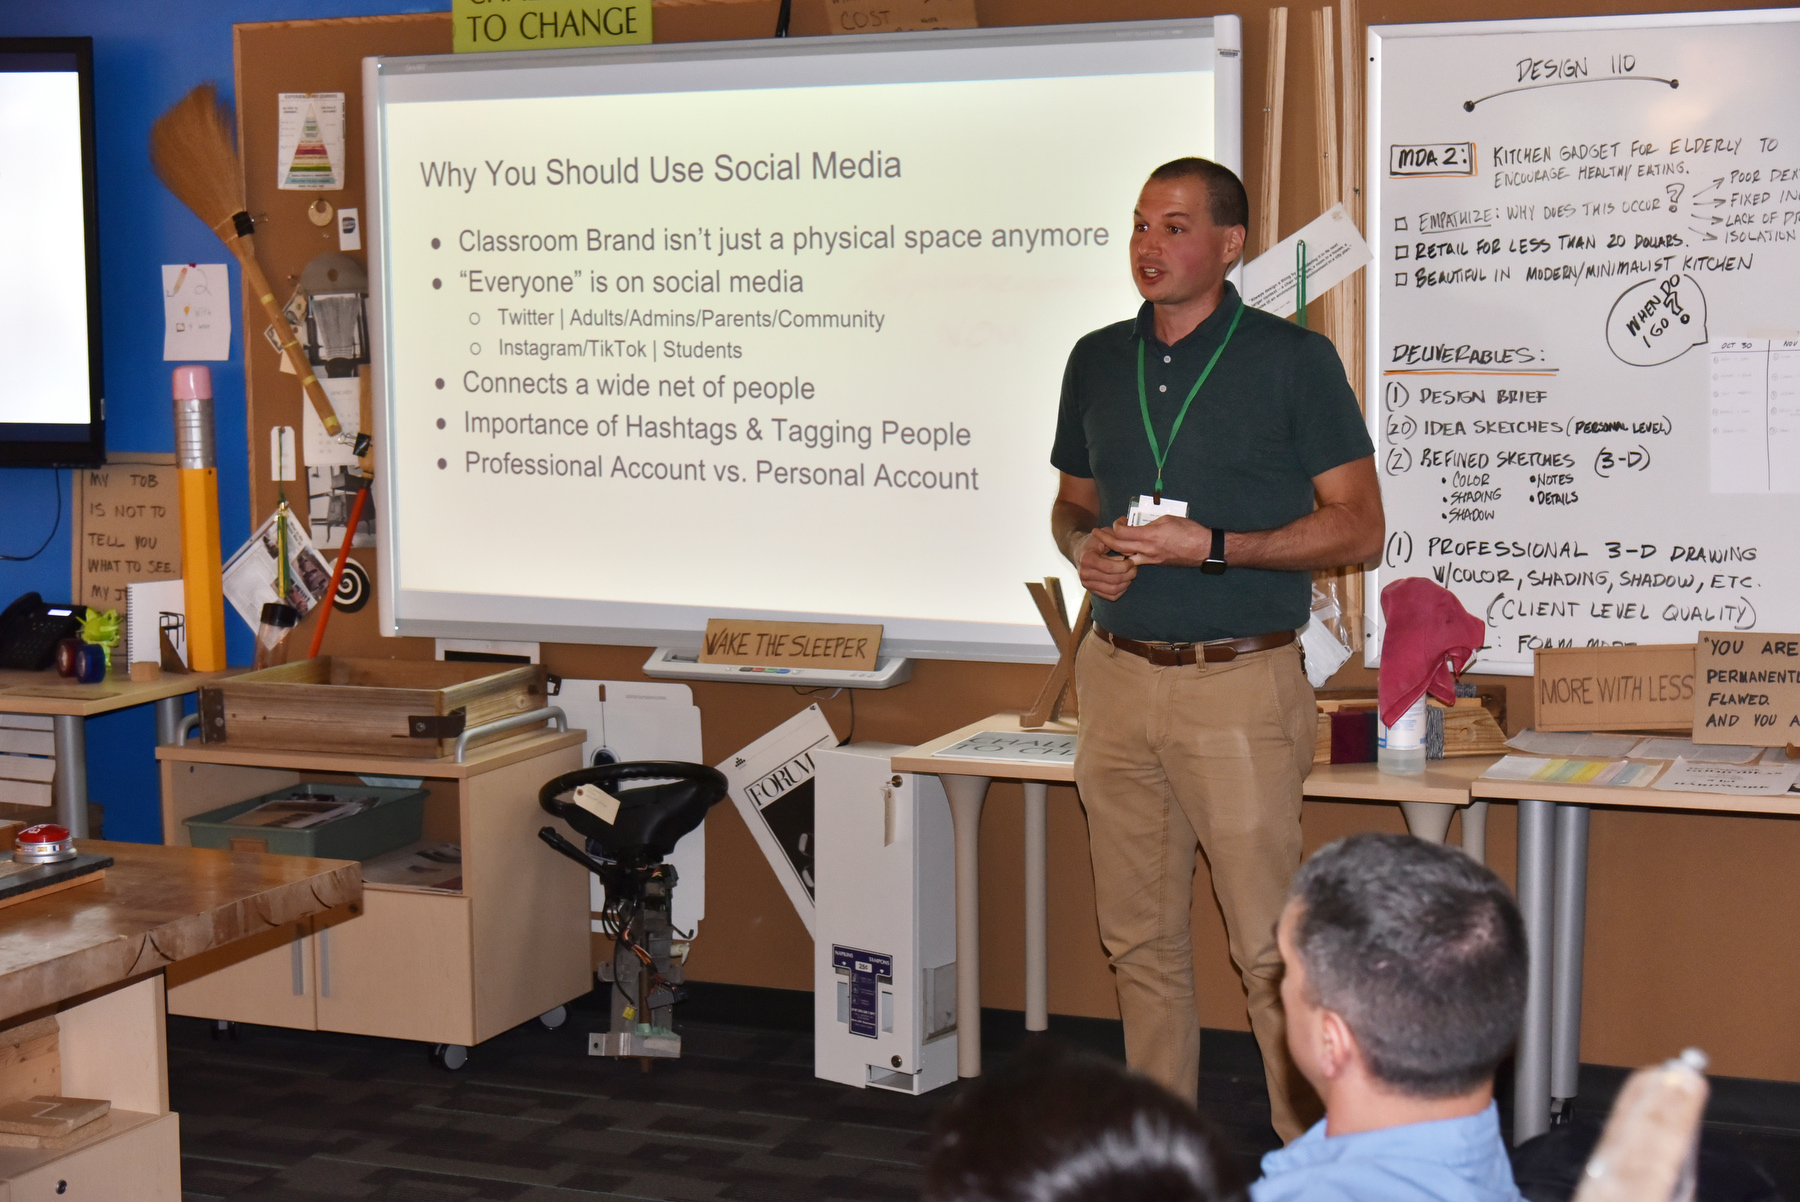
<point>1748,688</point>
<point>1647,687</point>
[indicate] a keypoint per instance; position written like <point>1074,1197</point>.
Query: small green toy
<point>103,629</point>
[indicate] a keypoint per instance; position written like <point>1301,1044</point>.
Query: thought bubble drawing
<point>1657,320</point>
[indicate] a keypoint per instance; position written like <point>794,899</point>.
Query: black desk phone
<point>30,630</point>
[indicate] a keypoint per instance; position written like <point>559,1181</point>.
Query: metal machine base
<point>630,1043</point>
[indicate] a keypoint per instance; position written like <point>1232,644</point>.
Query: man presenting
<point>1212,455</point>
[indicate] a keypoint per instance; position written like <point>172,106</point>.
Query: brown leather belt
<point>1216,651</point>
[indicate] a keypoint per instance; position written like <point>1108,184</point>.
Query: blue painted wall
<point>147,54</point>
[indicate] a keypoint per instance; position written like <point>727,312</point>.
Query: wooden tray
<point>391,707</point>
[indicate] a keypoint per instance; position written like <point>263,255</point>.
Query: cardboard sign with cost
<point>1649,687</point>
<point>791,644</point>
<point>1747,688</point>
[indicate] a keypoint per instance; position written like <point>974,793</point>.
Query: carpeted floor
<point>298,1116</point>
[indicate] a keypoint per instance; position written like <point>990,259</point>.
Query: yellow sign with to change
<point>484,25</point>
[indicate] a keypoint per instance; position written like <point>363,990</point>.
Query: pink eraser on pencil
<point>192,383</point>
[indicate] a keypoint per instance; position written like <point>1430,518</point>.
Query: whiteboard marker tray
<point>666,663</point>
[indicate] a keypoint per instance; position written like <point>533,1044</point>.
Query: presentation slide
<point>681,350</point>
<point>43,314</point>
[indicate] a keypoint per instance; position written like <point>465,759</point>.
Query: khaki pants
<point>1208,754</point>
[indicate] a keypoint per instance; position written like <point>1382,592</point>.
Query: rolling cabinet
<point>450,965</point>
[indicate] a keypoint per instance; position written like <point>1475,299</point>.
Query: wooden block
<point>1471,730</point>
<point>79,1135</point>
<point>50,1115</point>
<point>92,878</point>
<point>30,1060</point>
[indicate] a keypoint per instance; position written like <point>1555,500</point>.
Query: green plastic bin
<point>396,819</point>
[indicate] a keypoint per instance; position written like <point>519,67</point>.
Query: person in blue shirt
<point>1404,984</point>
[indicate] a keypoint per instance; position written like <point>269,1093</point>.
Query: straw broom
<point>190,147</point>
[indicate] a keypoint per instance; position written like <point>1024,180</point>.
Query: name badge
<point>1147,509</point>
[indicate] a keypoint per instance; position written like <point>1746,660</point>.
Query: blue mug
<point>90,664</point>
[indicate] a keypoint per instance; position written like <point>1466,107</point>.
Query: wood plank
<point>48,693</point>
<point>49,1114</point>
<point>114,1045</point>
<point>27,742</point>
<point>1268,225</point>
<point>24,793</point>
<point>156,906</point>
<point>31,1059</point>
<point>489,757</point>
<point>1444,782</point>
<point>26,721</point>
<point>27,767</point>
<point>529,905</point>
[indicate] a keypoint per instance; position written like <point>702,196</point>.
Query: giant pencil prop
<point>190,147</point>
<point>201,555</point>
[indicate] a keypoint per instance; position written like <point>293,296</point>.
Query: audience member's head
<point>1054,1126</point>
<point>1405,964</point>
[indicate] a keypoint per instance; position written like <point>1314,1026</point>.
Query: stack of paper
<point>1561,771</point>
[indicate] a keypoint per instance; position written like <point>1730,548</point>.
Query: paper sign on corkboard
<point>894,16</point>
<point>1649,687</point>
<point>127,527</point>
<point>1747,688</point>
<point>791,644</point>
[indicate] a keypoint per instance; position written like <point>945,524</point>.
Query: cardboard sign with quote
<point>791,644</point>
<point>1747,688</point>
<point>1648,687</point>
<point>127,527</point>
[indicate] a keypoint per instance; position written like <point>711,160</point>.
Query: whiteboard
<point>1584,324</point>
<point>767,329</point>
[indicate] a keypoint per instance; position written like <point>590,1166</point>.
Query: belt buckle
<point>1167,655</point>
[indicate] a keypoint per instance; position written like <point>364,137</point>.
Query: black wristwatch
<point>1214,564</point>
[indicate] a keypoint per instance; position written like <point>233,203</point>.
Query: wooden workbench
<point>93,956</point>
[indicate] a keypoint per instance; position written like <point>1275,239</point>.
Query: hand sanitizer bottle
<point>1402,745</point>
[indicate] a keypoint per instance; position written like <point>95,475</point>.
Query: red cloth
<point>1427,638</point>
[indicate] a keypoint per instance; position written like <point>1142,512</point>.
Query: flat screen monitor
<point>765,329</point>
<point>52,404</point>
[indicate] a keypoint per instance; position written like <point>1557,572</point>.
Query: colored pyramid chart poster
<point>311,148</point>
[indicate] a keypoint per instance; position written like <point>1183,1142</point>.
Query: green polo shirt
<point>1275,412</point>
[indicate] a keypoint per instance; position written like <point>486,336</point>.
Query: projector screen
<point>765,329</point>
<point>50,397</point>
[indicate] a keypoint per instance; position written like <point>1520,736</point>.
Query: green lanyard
<point>1161,454</point>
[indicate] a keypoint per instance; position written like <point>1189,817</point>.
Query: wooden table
<point>68,705</point>
<point>1552,892</point>
<point>1428,802</point>
<point>93,955</point>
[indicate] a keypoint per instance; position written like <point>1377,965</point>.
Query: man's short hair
<point>1421,950</point>
<point>1057,1126</point>
<point>1228,204</point>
